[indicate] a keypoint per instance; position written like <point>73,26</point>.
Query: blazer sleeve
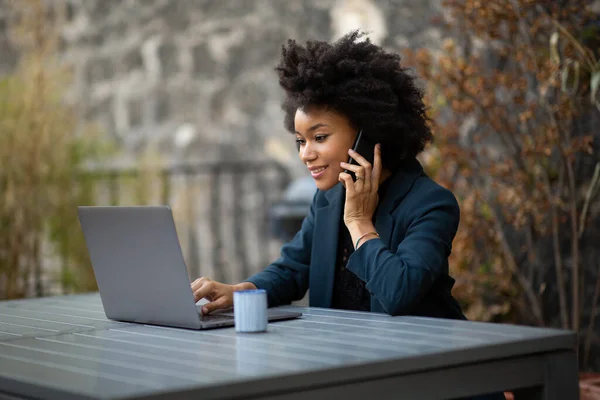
<point>287,278</point>
<point>400,279</point>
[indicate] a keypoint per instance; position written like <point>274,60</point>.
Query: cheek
<point>334,160</point>
<point>340,152</point>
<point>343,155</point>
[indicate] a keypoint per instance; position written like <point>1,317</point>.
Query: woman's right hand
<point>219,295</point>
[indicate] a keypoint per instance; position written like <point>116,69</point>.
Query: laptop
<point>140,270</point>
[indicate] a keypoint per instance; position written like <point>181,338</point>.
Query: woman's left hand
<point>361,196</point>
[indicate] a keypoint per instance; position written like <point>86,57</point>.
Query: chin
<point>326,185</point>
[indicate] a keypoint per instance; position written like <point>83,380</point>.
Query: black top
<point>349,292</point>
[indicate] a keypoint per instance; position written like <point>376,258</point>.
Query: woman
<point>380,243</point>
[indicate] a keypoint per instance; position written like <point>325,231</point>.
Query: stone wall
<point>195,78</point>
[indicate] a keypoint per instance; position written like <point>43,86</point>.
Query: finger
<point>347,181</point>
<point>219,304</point>
<point>365,165</point>
<point>359,159</point>
<point>340,179</point>
<point>357,169</point>
<point>199,294</point>
<point>351,167</point>
<point>359,172</point>
<point>202,292</point>
<point>377,167</point>
<point>198,283</point>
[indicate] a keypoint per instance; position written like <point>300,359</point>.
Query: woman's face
<point>323,138</point>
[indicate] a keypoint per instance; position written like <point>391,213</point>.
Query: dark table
<point>65,348</point>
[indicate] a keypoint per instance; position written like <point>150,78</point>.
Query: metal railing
<point>221,210</point>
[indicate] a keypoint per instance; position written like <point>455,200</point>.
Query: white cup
<point>250,310</point>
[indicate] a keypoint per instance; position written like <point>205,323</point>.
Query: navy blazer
<point>405,270</point>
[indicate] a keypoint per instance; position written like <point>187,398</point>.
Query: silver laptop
<point>140,270</point>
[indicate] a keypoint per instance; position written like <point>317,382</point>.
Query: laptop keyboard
<point>215,317</point>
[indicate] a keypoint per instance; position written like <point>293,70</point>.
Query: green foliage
<point>42,152</point>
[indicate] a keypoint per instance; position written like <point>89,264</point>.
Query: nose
<point>308,153</point>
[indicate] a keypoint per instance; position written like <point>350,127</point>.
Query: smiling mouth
<point>317,173</point>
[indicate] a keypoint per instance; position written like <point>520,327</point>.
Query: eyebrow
<point>313,128</point>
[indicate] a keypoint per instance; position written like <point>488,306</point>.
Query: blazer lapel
<point>325,244</point>
<point>400,185</point>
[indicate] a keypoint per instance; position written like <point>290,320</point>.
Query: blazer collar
<point>400,184</point>
<point>334,195</point>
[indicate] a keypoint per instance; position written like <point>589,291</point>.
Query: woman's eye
<point>299,142</point>
<point>320,138</point>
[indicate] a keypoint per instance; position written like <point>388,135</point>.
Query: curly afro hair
<point>361,81</point>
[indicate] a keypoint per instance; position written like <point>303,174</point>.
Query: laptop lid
<point>138,264</point>
<point>140,270</point>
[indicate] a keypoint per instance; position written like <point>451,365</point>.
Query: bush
<point>42,151</point>
<point>514,96</point>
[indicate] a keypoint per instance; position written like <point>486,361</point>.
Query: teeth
<point>316,171</point>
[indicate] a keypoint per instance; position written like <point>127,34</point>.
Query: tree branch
<point>558,265</point>
<point>575,309</point>
<point>574,244</point>
<point>512,265</point>
<point>590,328</point>
<point>588,197</point>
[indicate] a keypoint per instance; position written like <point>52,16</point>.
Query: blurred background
<point>127,102</point>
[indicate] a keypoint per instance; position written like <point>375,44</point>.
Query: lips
<point>317,172</point>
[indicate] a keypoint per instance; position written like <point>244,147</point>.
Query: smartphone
<point>363,146</point>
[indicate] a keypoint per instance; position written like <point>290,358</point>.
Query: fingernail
<point>350,151</point>
<point>204,310</point>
